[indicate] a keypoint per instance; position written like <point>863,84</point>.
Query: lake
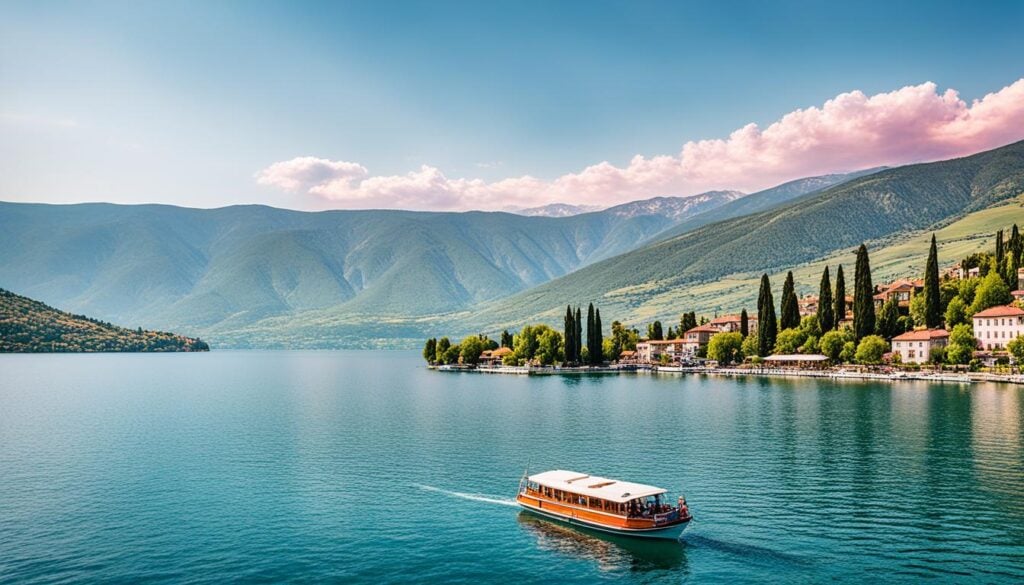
<point>366,467</point>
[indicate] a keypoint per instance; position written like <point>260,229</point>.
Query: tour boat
<point>608,505</point>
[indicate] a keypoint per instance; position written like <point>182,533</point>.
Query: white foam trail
<point>465,496</point>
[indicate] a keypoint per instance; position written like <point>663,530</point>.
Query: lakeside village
<point>965,325</point>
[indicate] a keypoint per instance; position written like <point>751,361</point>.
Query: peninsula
<point>29,326</point>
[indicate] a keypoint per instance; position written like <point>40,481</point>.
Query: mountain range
<point>266,277</point>
<point>224,269</point>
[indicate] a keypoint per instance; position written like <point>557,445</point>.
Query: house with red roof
<point>996,326</point>
<point>915,347</point>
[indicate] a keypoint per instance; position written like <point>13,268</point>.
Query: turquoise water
<point>365,467</point>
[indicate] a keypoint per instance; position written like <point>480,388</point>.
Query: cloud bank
<point>849,132</point>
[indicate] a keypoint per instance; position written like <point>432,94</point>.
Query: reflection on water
<point>611,553</point>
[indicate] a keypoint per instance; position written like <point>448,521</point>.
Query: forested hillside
<point>174,268</point>
<point>31,326</point>
<point>763,200</point>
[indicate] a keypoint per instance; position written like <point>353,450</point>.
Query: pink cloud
<point>849,132</point>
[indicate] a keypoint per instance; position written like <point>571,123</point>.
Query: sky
<point>488,105</point>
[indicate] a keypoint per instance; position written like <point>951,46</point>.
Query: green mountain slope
<point>880,205</point>
<point>764,200</point>
<point>222,269</point>
<point>30,326</point>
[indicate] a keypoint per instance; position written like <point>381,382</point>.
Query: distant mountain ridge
<point>556,210</point>
<point>764,200</point>
<point>178,268</point>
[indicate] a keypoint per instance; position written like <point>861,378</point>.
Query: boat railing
<point>666,517</point>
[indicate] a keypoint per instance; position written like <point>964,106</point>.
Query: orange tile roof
<point>1003,311</point>
<point>706,328</point>
<point>922,335</point>
<point>728,319</point>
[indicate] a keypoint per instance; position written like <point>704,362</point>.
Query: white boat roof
<point>593,486</point>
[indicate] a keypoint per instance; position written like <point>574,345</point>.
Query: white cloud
<point>851,131</point>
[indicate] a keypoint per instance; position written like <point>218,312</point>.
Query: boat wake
<point>471,497</point>
<point>748,551</point>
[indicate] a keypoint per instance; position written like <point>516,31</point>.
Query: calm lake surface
<point>366,467</point>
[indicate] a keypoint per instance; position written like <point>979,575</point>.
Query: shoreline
<point>833,374</point>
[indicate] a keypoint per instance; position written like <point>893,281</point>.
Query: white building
<point>997,326</point>
<point>915,347</point>
<point>650,351</point>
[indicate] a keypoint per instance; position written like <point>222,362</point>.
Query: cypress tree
<point>654,331</point>
<point>506,339</point>
<point>578,357</point>
<point>744,323</point>
<point>590,333</point>
<point>1016,246</point>
<point>790,309</point>
<point>863,293</point>
<point>1000,249</point>
<point>570,334</point>
<point>767,326</point>
<point>826,316</point>
<point>597,355</point>
<point>933,304</point>
<point>839,312</point>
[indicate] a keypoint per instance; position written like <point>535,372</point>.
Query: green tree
<point>767,325</point>
<point>871,349</point>
<point>849,352</point>
<point>937,355</point>
<point>654,331</point>
<point>932,298</point>
<point>809,325</point>
<point>596,353</point>
<point>918,309</point>
<point>578,346</point>
<point>610,350</point>
<point>549,347</point>
<point>832,342</point>
<point>506,339</point>
<point>744,323</point>
<point>570,334</point>
<point>888,321</point>
<point>1000,252</point>
<point>992,292</point>
<point>623,339</point>
<point>789,341</point>
<point>451,355</point>
<point>590,334</point>
<point>839,312</point>
<point>470,349</point>
<point>967,289</point>
<point>790,307</point>
<point>430,350</point>
<point>726,348</point>
<point>826,312</point>
<point>956,312</point>
<point>526,342</point>
<point>863,296</point>
<point>441,350</point>
<point>749,347</point>
<point>1016,348</point>
<point>687,321</point>
<point>961,344</point>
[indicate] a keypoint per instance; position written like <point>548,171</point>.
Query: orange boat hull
<point>611,523</point>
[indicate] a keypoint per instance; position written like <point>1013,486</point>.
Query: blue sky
<point>185,103</point>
